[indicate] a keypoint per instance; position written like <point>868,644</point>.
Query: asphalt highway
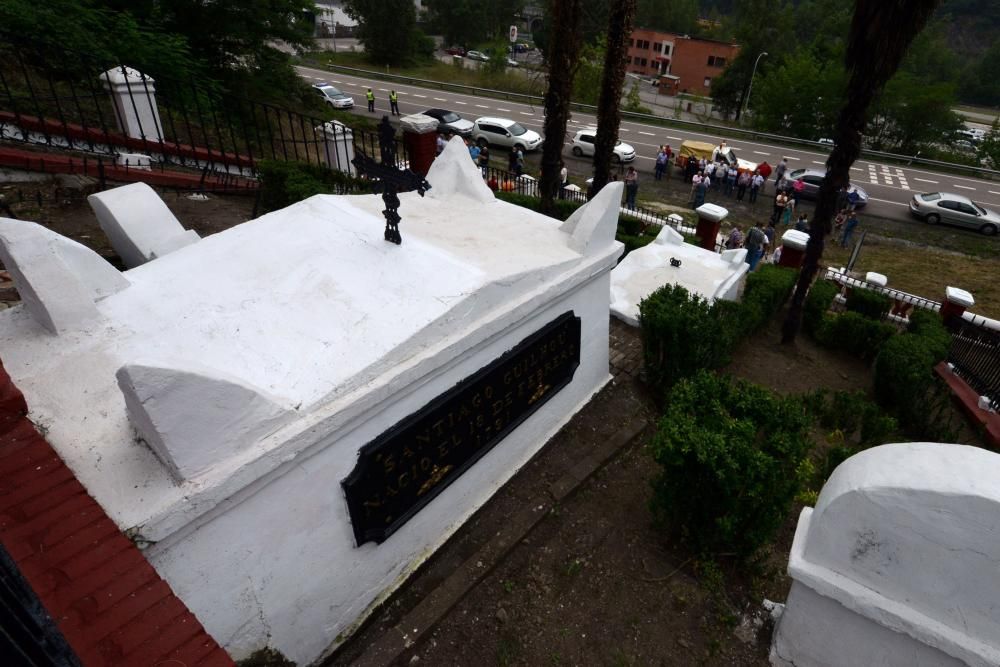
<point>889,187</point>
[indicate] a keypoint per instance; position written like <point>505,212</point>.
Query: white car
<point>504,132</point>
<point>583,144</point>
<point>334,96</point>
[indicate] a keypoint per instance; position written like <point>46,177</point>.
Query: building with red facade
<point>682,64</point>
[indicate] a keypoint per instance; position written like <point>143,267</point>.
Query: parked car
<point>813,178</point>
<point>455,51</point>
<point>334,96</point>
<point>935,207</point>
<point>477,55</point>
<point>512,63</point>
<point>449,121</point>
<point>826,141</point>
<point>504,132</point>
<point>583,145</point>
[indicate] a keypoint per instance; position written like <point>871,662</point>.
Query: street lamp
<point>746,102</point>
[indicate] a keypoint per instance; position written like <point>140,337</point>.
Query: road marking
<point>993,192</point>
<point>886,201</point>
<point>856,169</point>
<point>500,109</point>
<point>459,102</point>
<point>440,99</point>
<point>674,138</point>
<point>762,153</point>
<point>527,113</point>
<point>482,106</point>
<point>648,134</point>
<point>818,162</point>
<point>873,174</point>
<point>964,187</point>
<point>420,96</point>
<point>383,90</point>
<point>624,129</point>
<point>924,180</point>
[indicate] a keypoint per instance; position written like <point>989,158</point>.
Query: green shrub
<point>284,183</point>
<point>563,207</point>
<point>905,381</point>
<point>766,291</point>
<point>854,333</point>
<point>630,225</point>
<point>730,454</point>
<point>869,303</point>
<point>680,335</point>
<point>929,326</point>
<point>857,417</point>
<point>633,242</point>
<point>817,303</point>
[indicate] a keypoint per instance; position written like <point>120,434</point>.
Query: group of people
<point>393,101</point>
<point>732,181</point>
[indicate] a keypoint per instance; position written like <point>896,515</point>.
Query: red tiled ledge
<point>106,599</point>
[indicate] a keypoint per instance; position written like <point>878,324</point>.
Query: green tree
<point>589,71</point>
<point>470,22</point>
<point>881,31</point>
<point>388,30</point>
<point>910,113</point>
<point>800,97</point>
<point>680,16</point>
<point>989,149</point>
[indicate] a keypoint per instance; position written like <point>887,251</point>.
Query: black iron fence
<point>975,357</point>
<point>108,111</point>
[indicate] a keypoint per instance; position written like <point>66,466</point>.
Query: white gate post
<point>134,97</point>
<point>338,148</point>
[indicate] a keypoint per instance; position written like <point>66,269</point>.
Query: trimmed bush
<point>857,417</point>
<point>284,183</point>
<point>869,303</point>
<point>854,333</point>
<point>929,326</point>
<point>563,207</point>
<point>681,334</point>
<point>817,303</point>
<point>767,290</point>
<point>730,454</point>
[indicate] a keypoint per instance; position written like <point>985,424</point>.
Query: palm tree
<point>563,58</point>
<point>620,17</point>
<point>881,31</point>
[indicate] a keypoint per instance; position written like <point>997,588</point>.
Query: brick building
<point>683,64</point>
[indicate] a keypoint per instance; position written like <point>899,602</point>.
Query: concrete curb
<point>423,618</point>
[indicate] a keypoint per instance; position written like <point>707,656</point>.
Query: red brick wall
<point>688,58</point>
<point>102,594</point>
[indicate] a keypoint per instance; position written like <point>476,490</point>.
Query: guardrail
<point>723,130</point>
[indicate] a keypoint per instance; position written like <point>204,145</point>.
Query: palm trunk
<point>620,17</point>
<point>564,54</point>
<point>881,31</point>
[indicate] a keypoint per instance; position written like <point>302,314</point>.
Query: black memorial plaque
<point>407,466</point>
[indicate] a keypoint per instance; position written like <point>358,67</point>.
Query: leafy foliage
<point>284,183</point>
<point>817,303</point>
<point>854,333</point>
<point>730,454</point>
<point>869,303</point>
<point>388,30</point>
<point>470,22</point>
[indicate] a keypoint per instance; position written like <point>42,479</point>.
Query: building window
<point>642,62</point>
<point>631,42</point>
<point>628,60</point>
<point>666,49</point>
<point>716,61</point>
<point>708,82</point>
<point>645,44</point>
<point>658,48</point>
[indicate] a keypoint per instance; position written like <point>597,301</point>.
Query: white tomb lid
<point>712,212</point>
<point>878,279</point>
<point>304,307</point>
<point>959,297</point>
<point>793,238</point>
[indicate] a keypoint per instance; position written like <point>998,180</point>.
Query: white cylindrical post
<point>338,147</point>
<point>134,97</point>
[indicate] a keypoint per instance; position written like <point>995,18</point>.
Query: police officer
<point>394,103</point>
<point>371,100</point>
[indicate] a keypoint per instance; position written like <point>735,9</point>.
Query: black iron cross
<point>389,178</point>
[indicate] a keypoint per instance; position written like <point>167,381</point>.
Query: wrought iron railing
<point>975,357</point>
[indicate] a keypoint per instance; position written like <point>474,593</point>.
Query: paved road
<point>889,187</point>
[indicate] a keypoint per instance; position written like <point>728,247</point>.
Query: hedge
<point>854,333</point>
<point>730,454</point>
<point>869,303</point>
<point>682,333</point>
<point>817,303</point>
<point>284,183</point>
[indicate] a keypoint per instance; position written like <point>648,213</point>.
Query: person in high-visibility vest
<point>371,100</point>
<point>393,103</point>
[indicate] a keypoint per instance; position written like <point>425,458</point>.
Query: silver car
<point>583,144</point>
<point>935,207</point>
<point>334,96</point>
<point>813,178</point>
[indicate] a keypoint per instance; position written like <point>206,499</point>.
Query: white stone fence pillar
<point>338,146</point>
<point>133,95</point>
